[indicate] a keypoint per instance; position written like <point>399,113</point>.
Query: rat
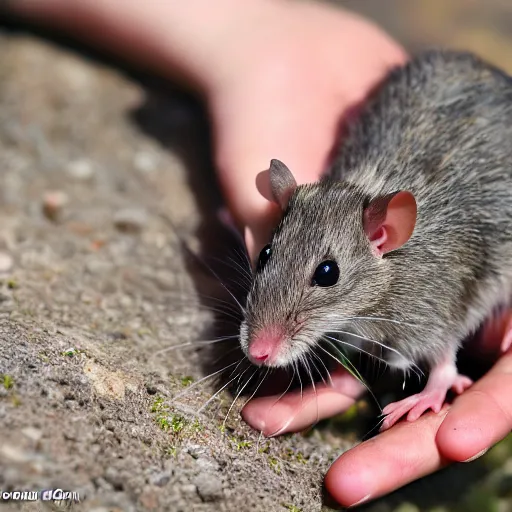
<point>405,243</point>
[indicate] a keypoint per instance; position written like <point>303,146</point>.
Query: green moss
<point>71,352</point>
<point>8,381</point>
<point>174,423</point>
<point>158,404</point>
<point>289,454</point>
<point>240,444</point>
<point>177,423</point>
<point>197,427</point>
<point>12,284</point>
<point>264,449</point>
<point>171,451</point>
<point>274,464</point>
<point>186,381</point>
<point>163,423</point>
<point>300,458</point>
<point>292,508</point>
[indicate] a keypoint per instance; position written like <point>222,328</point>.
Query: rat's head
<point>326,263</point>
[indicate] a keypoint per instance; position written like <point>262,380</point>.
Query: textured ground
<point>93,283</point>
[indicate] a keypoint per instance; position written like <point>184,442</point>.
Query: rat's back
<point>441,127</point>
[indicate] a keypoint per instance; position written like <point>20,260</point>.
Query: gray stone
<point>131,220</point>
<point>209,487</point>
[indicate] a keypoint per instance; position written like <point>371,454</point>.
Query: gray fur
<point>440,127</point>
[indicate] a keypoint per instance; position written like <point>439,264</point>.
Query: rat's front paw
<point>415,405</point>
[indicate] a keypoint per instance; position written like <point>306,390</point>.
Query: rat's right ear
<point>389,221</point>
<point>282,183</point>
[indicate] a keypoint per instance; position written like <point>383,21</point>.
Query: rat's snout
<point>265,345</point>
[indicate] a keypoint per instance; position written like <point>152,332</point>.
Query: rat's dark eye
<point>264,257</point>
<point>326,274</point>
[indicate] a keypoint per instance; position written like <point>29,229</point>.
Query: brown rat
<point>407,242</point>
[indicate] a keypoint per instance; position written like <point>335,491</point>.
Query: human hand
<point>460,432</point>
<point>288,76</point>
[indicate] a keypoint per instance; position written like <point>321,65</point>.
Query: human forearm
<point>177,39</point>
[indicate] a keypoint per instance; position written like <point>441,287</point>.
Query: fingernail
<point>477,456</point>
<point>360,502</point>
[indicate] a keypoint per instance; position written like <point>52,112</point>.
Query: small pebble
<point>145,161</point>
<point>81,170</point>
<point>209,487</point>
<point>160,479</point>
<point>6,262</point>
<point>130,220</point>
<point>54,203</point>
<point>34,434</point>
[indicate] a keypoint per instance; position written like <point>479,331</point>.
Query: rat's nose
<point>265,345</point>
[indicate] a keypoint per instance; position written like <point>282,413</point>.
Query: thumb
<point>246,144</point>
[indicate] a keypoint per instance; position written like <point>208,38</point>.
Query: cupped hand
<point>460,432</point>
<point>305,74</point>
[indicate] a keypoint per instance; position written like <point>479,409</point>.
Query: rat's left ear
<point>389,221</point>
<point>282,183</point>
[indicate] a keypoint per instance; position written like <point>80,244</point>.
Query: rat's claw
<point>396,410</point>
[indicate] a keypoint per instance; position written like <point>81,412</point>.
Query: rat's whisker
<point>191,343</point>
<point>258,387</point>
<point>348,344</point>
<point>387,347</point>
<point>244,256</point>
<point>245,272</point>
<point>317,369</point>
<point>219,391</point>
<point>379,319</point>
<point>242,274</point>
<point>226,288</point>
<point>285,391</point>
<point>197,382</point>
<point>344,364</point>
<point>238,395</point>
<point>197,303</point>
<point>224,354</point>
<point>308,369</point>
<point>300,382</point>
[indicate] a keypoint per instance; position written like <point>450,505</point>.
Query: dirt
<point>95,285</point>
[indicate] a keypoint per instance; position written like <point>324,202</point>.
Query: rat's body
<point>417,214</point>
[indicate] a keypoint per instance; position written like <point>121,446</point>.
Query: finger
<point>246,144</point>
<point>294,411</point>
<point>381,465</point>
<point>481,416</point>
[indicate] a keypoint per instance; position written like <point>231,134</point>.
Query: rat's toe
<point>461,383</point>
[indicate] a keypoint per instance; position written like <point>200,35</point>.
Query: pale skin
<point>277,78</point>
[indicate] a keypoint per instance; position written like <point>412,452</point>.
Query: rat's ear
<point>389,221</point>
<point>282,183</point>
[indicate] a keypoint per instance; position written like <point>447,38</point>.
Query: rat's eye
<point>264,257</point>
<point>326,274</point>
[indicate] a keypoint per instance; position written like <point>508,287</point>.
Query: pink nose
<point>265,345</point>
